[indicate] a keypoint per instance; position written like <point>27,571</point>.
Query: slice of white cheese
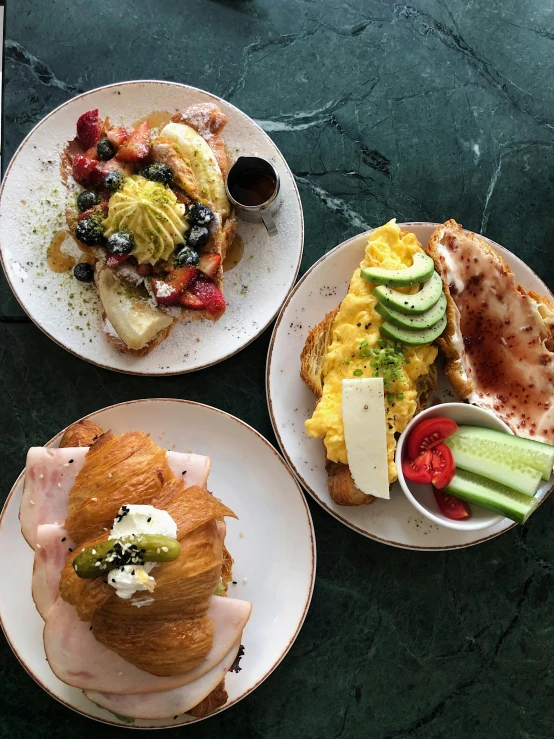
<point>363,417</point>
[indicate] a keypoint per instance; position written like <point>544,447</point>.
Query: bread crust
<point>81,433</point>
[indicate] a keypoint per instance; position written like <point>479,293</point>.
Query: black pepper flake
<point>65,537</point>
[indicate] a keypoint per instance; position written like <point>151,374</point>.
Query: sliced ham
<point>79,660</point>
<point>168,702</point>
<point>53,544</point>
<point>50,474</point>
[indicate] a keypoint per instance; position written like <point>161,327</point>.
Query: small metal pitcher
<point>265,211</point>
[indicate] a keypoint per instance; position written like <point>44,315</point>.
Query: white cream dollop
<point>132,520</point>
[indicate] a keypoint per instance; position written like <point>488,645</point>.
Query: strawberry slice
<point>88,128</point>
<point>84,169</point>
<point>212,299</point>
<point>138,145</point>
<point>97,177</point>
<point>101,209</point>
<point>119,135</point>
<point>113,261</point>
<point>209,264</point>
<point>168,290</point>
<point>189,300</point>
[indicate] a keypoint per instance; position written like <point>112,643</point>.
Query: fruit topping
<point>187,256</point>
<point>97,211</point>
<point>120,243</point>
<point>88,128</point>
<point>105,150</point>
<point>83,168</point>
<point>189,300</point>
<point>114,260</point>
<point>83,272</point>
<point>198,237</point>
<point>119,135</point>
<point>144,270</point>
<point>87,199</point>
<point>209,264</point>
<point>90,231</point>
<point>211,298</point>
<point>199,215</point>
<point>113,181</point>
<point>168,290</point>
<point>157,172</point>
<point>138,145</point>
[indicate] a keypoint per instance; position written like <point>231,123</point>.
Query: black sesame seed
<point>174,717</point>
<point>184,472</point>
<point>133,572</point>
<point>64,538</point>
<point>113,578</point>
<point>358,324</point>
<point>234,582</point>
<point>70,549</point>
<point>70,461</point>
<point>90,628</point>
<point>149,519</point>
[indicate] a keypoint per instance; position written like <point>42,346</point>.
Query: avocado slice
<point>414,321</point>
<point>409,304</point>
<point>422,268</point>
<point>413,338</point>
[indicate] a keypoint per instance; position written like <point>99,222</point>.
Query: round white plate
<point>273,545</point>
<point>320,290</point>
<point>32,203</point>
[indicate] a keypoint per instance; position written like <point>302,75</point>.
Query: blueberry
<point>198,237</point>
<point>120,243</point>
<point>83,272</point>
<point>200,215</point>
<point>187,257</point>
<point>157,172</point>
<point>104,150</point>
<point>87,199</point>
<point>90,231</point>
<point>113,181</point>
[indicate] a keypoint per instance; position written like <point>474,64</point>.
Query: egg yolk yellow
<point>356,322</point>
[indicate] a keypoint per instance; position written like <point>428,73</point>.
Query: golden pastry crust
<point>81,433</point>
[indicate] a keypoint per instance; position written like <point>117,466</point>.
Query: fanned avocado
<point>415,321</point>
<point>413,338</point>
<point>421,270</point>
<point>409,304</point>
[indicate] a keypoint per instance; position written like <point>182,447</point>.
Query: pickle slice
<point>96,560</point>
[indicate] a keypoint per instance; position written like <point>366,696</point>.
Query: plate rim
<point>275,427</point>
<point>215,98</point>
<point>293,638</point>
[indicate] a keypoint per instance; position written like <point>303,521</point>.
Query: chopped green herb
<point>346,361</point>
<point>400,396</point>
<point>358,373</point>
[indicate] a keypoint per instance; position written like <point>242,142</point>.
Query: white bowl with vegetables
<point>463,468</point>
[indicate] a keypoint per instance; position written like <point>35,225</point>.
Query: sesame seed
<point>149,519</point>
<point>158,550</point>
<point>120,674</point>
<point>59,484</point>
<point>38,546</point>
<point>41,477</point>
<point>32,502</point>
<point>94,551</point>
<point>234,582</point>
<point>184,472</point>
<point>71,462</point>
<point>94,499</point>
<point>90,628</point>
<point>109,474</point>
<point>64,538</point>
<point>97,564</point>
<point>165,549</point>
<point>244,580</point>
<point>70,549</point>
<point>113,579</point>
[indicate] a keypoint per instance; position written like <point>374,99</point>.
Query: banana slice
<point>194,149</point>
<point>133,318</point>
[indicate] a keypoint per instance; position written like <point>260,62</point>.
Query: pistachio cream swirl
<point>151,213</point>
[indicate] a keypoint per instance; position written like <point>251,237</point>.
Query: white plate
<point>272,543</point>
<point>290,402</point>
<point>32,201</point>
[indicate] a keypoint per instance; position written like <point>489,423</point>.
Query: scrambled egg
<point>357,322</point>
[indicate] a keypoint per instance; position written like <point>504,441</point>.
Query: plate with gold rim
<point>272,543</point>
<point>290,402</point>
<point>32,207</point>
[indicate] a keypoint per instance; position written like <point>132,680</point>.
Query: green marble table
<point>437,109</point>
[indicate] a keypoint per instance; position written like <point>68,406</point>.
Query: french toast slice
<point>341,486</point>
<point>499,357</point>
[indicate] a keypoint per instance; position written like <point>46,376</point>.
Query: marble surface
<point>437,109</point>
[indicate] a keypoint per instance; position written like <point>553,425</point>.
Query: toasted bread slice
<point>510,356</point>
<point>341,485</point>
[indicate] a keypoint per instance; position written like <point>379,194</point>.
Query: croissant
<point>173,634</point>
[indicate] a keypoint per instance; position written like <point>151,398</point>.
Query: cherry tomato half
<point>420,469</point>
<point>435,465</point>
<point>450,506</point>
<point>428,434</point>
